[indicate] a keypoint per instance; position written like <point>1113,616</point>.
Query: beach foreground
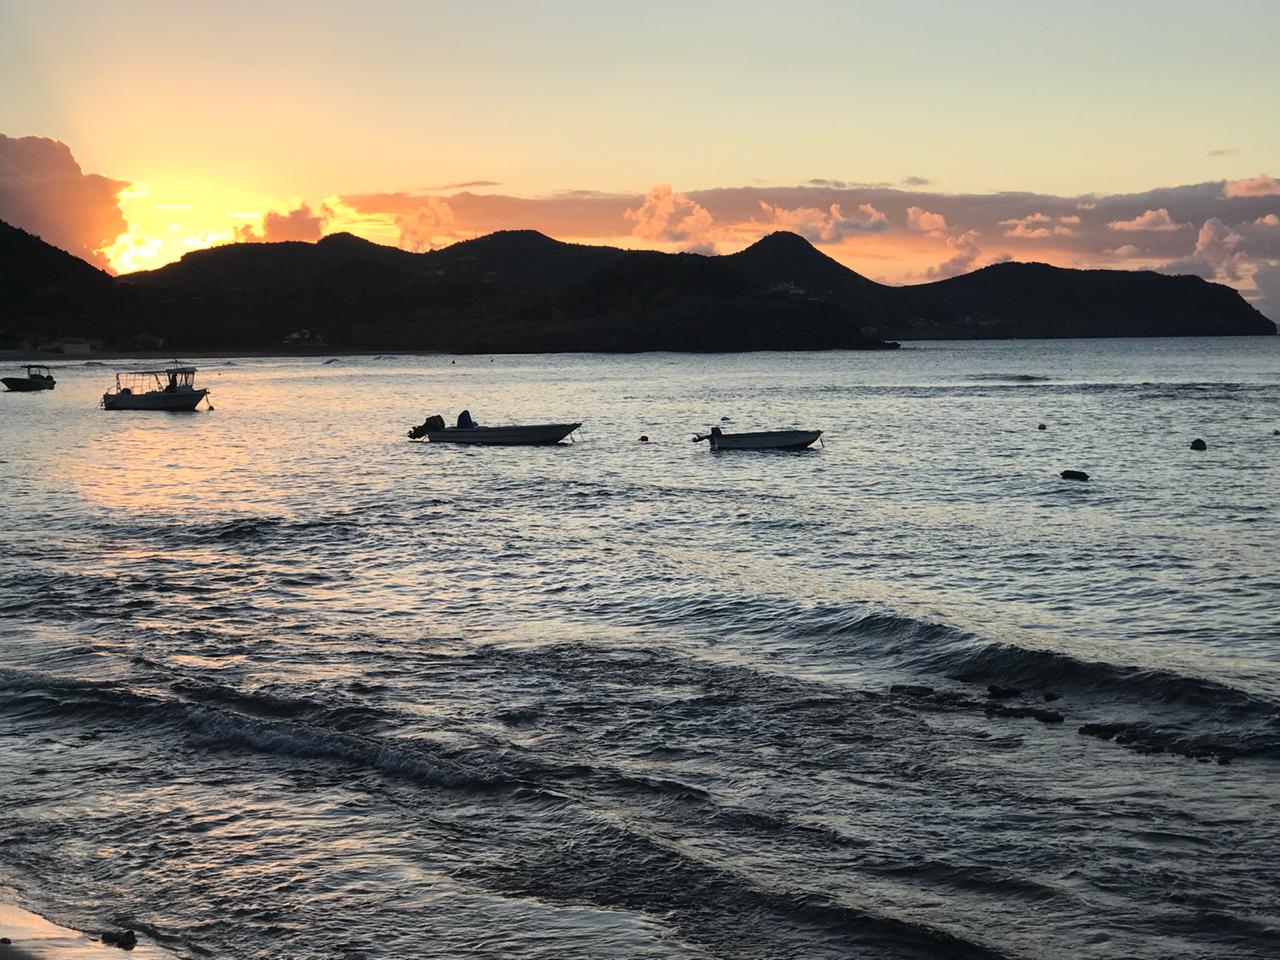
<point>31,937</point>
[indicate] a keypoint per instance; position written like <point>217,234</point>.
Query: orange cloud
<point>1259,186</point>
<point>429,223</point>
<point>297,224</point>
<point>44,191</point>
<point>672,217</point>
<point>1152,221</point>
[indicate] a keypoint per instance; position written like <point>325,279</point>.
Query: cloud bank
<point>44,191</point>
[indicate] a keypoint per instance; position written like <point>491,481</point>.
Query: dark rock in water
<point>1042,427</point>
<point>1002,693</point>
<point>644,438</point>
<point>125,941</point>
<point>911,690</point>
<point>1050,696</point>
<point>5,941</point>
<point>1198,444</point>
<point>1044,716</point>
<point>1074,475</point>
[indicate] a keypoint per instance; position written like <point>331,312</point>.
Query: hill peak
<point>344,239</point>
<point>783,240</point>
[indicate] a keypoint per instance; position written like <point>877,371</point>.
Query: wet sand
<point>34,938</point>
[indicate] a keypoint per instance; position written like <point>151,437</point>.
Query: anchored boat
<point>763,440</point>
<point>172,388</point>
<point>37,378</point>
<point>433,430</point>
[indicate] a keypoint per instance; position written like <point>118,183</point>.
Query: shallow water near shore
<point>275,681</point>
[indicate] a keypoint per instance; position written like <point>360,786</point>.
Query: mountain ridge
<point>522,291</point>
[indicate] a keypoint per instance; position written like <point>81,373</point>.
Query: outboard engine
<point>430,425</point>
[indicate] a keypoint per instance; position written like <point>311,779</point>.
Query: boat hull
<point>25,385</point>
<point>156,400</point>
<point>537,434</point>
<point>766,440</point>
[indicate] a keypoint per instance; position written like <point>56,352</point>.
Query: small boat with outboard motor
<point>172,388</point>
<point>434,430</point>
<point>37,378</point>
<point>762,440</point>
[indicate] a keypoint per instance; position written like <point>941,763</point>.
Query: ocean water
<point>276,682</point>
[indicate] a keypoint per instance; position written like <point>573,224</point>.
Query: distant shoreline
<point>19,357</point>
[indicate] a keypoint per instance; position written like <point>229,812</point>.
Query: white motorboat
<point>763,440</point>
<point>37,378</point>
<point>516,435</point>
<point>172,388</point>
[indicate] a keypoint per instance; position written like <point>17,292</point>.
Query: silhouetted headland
<point>521,292</point>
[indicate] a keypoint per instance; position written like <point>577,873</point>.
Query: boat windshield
<point>37,371</point>
<point>169,380</point>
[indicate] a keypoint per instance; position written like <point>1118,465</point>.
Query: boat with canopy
<point>37,378</point>
<point>172,388</point>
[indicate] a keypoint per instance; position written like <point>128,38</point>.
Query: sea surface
<point>276,682</point>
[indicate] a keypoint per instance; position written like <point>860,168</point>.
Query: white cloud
<point>1152,221</point>
<point>1259,186</point>
<point>826,226</point>
<point>964,253</point>
<point>1218,254</point>
<point>672,217</point>
<point>920,219</point>
<point>1038,226</point>
<point>1267,279</point>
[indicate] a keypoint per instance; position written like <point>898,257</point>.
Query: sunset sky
<point>908,140</point>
